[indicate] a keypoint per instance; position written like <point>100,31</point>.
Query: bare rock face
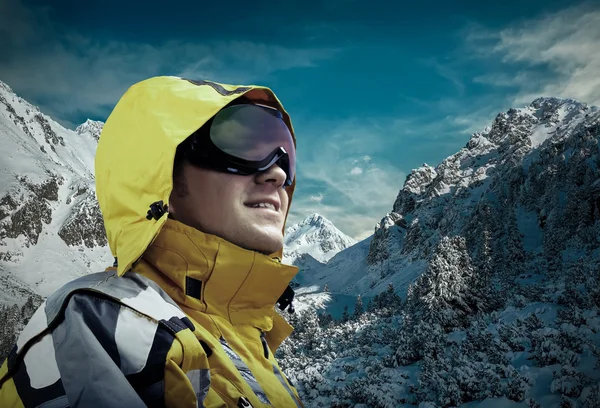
<point>27,221</point>
<point>84,225</point>
<point>417,183</point>
<point>384,231</point>
<point>26,210</point>
<point>49,134</point>
<point>7,206</point>
<point>47,190</point>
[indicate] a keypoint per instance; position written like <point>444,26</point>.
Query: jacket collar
<point>211,275</point>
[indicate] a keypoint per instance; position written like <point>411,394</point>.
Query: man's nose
<point>273,174</point>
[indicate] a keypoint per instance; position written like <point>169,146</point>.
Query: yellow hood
<point>134,160</point>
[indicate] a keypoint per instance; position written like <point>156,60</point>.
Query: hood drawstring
<point>286,300</point>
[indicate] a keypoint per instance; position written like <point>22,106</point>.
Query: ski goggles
<point>244,139</point>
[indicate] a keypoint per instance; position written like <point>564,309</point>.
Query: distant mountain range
<point>51,227</point>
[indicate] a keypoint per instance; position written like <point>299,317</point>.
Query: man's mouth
<point>267,203</point>
<point>264,205</point>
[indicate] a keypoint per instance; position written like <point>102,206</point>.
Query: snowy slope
<point>315,236</point>
<point>50,225</point>
<point>340,272</point>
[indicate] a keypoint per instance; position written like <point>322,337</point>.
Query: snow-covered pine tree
<point>436,384</point>
<point>391,300</point>
<point>553,241</point>
<point>517,387</point>
<point>358,308</point>
<point>345,314</point>
<point>325,319</point>
<point>416,339</point>
<point>514,252</point>
<point>446,293</point>
<point>310,334</point>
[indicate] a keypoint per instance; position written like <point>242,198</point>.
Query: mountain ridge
<point>435,201</point>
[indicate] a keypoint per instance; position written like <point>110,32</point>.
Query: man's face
<point>227,205</point>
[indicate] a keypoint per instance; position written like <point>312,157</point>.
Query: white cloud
<point>316,198</point>
<point>502,79</point>
<point>557,54</point>
<point>357,197</point>
<point>72,73</point>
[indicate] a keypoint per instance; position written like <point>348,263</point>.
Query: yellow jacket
<point>186,319</point>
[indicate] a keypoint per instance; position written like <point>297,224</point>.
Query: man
<point>194,180</point>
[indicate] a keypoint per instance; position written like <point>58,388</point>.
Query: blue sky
<point>375,89</point>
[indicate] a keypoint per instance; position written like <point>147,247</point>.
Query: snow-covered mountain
<point>317,237</point>
<point>495,253</point>
<point>90,128</point>
<point>512,176</point>
<point>51,228</point>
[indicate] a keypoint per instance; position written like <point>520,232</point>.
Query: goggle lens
<point>255,133</point>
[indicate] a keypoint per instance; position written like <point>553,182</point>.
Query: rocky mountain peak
<point>90,127</point>
<point>316,236</point>
<point>316,220</point>
<point>553,103</point>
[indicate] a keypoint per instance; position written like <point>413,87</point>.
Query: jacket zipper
<point>263,340</point>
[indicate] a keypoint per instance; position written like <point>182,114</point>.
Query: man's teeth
<point>264,205</point>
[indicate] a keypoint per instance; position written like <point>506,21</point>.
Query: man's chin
<point>267,243</point>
